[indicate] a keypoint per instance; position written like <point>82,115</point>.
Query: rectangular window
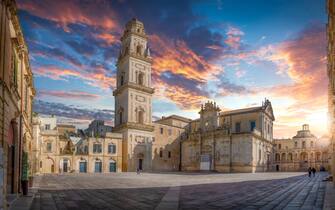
<point>295,144</point>
<point>97,148</point>
<point>15,69</point>
<point>169,154</point>
<point>252,125</point>
<point>162,130</point>
<point>279,146</point>
<point>160,153</point>
<point>170,132</point>
<point>111,148</point>
<point>47,127</point>
<point>238,127</point>
<point>303,144</point>
<point>49,147</point>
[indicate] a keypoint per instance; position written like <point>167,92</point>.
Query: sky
<point>234,52</point>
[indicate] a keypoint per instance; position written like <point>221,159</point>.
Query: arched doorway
<point>65,165</point>
<point>140,157</point>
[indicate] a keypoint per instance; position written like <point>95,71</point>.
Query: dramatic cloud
<point>96,78</point>
<point>73,12</point>
<point>73,112</point>
<point>78,95</point>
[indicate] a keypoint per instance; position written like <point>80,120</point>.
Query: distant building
<point>302,151</point>
<point>58,149</point>
<point>97,128</point>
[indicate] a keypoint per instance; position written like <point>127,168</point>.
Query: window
<point>259,155</point>
<point>312,144</point>
<point>295,144</point>
<point>169,154</point>
<point>139,49</point>
<point>303,144</point>
<point>140,117</point>
<point>252,125</point>
<point>162,130</point>
<point>41,164</point>
<point>140,78</point>
<point>279,146</point>
<point>238,127</point>
<point>160,153</point>
<point>15,69</point>
<point>47,127</point>
<point>49,147</point>
<point>97,148</point>
<point>112,148</point>
<point>170,132</point>
<point>121,80</point>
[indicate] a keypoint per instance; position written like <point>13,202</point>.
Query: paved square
<point>180,190</point>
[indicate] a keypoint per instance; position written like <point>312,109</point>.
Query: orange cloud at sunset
<point>96,79</point>
<point>67,12</point>
<point>178,58</point>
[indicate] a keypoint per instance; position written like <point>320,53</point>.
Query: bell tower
<point>133,97</point>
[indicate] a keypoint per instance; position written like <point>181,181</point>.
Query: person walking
<point>313,170</point>
<point>309,171</point>
<point>138,171</point>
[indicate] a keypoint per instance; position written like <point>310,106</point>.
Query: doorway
<point>10,169</point>
<point>82,167</point>
<point>65,166</point>
<point>98,167</point>
<point>140,164</point>
<point>112,167</point>
<point>277,167</point>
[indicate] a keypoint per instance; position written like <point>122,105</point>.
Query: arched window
<point>121,80</point>
<point>283,157</point>
<point>140,78</point>
<point>290,157</point>
<point>312,144</point>
<point>277,157</point>
<point>140,117</point>
<point>139,49</point>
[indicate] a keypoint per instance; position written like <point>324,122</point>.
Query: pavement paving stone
<point>180,190</point>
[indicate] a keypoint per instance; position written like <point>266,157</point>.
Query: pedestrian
<point>138,171</point>
<point>309,171</point>
<point>313,170</point>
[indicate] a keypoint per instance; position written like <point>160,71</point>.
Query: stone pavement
<point>180,190</point>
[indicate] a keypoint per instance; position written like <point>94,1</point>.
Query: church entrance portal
<point>140,164</point>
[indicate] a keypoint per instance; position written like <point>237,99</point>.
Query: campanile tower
<point>133,97</point>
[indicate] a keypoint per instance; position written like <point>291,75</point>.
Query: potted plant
<point>25,173</point>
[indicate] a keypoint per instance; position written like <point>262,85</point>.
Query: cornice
<point>134,55</point>
<point>133,86</point>
<point>136,126</point>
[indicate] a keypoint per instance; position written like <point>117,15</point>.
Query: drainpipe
<point>180,154</point>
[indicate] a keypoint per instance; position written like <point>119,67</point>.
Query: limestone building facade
<point>302,151</point>
<point>16,96</point>
<point>331,77</point>
<point>232,141</point>
<point>58,150</point>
